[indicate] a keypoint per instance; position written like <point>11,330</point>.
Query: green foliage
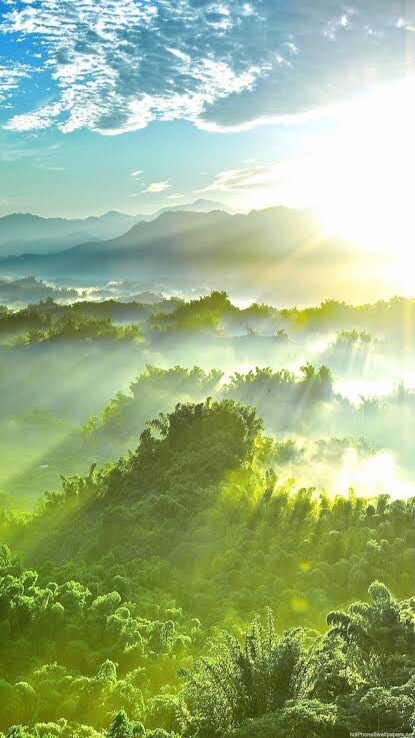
<point>30,319</point>
<point>125,596</point>
<point>359,676</point>
<point>135,567</point>
<point>354,337</point>
<point>204,313</point>
<point>301,717</point>
<point>216,311</point>
<point>242,682</point>
<point>77,326</point>
<point>122,727</point>
<point>149,393</point>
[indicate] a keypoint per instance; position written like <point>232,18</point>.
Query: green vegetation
<point>137,567</point>
<point>71,327</point>
<point>354,336</point>
<point>193,588</point>
<point>215,312</point>
<point>357,677</point>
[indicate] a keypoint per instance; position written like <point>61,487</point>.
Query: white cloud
<point>118,65</point>
<point>180,54</point>
<point>176,196</point>
<point>10,78</point>
<point>137,173</point>
<point>265,120</point>
<point>238,180</point>
<point>335,25</point>
<point>248,9</point>
<point>289,182</point>
<point>114,70</point>
<point>338,174</point>
<point>155,187</point>
<point>42,118</point>
<point>402,23</point>
<point>53,168</point>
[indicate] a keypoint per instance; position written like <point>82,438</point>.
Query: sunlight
<point>365,177</point>
<point>377,474</point>
<point>207,369</point>
<point>356,390</point>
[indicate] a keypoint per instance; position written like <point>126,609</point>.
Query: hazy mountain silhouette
<point>21,232</point>
<point>27,233</point>
<point>278,251</point>
<point>199,206</point>
<point>181,241</point>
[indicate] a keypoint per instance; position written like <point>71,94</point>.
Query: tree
<point>242,682</point>
<point>122,727</point>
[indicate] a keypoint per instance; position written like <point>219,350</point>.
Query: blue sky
<point>137,104</point>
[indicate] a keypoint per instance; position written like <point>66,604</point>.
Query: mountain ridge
<point>50,234</point>
<point>178,238</point>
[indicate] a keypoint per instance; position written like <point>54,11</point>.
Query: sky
<point>134,105</point>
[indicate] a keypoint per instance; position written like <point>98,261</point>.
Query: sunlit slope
<point>325,440</point>
<point>178,235</point>
<point>270,249</point>
<point>132,570</point>
<point>333,381</point>
<point>201,487</point>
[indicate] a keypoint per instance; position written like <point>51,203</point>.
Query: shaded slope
<point>183,241</point>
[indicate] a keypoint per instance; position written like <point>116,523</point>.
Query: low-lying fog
<point>346,425</point>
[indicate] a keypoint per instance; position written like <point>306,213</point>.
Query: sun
<point>364,186</point>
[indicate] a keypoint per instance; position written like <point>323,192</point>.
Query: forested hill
<point>336,374</point>
<point>112,625</point>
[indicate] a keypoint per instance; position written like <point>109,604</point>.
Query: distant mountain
<point>199,206</point>
<point>277,251</point>
<point>180,241</point>
<point>26,233</point>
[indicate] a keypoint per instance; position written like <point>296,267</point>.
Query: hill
<point>182,240</point>
<point>131,571</point>
<point>278,251</point>
<point>21,232</point>
<point>199,206</point>
<point>27,233</point>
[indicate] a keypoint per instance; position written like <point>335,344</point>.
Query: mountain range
<point>278,253</point>
<point>27,233</point>
<point>178,241</point>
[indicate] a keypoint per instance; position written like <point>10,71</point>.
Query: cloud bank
<point>114,66</point>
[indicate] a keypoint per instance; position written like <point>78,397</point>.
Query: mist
<point>334,381</point>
